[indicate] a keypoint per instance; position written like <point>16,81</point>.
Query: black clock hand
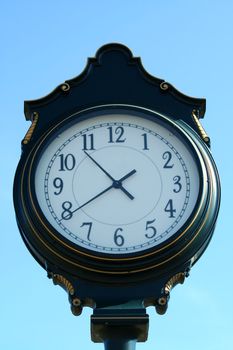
<point>127,175</point>
<point>90,200</point>
<point>116,184</point>
<point>102,192</point>
<point>105,171</point>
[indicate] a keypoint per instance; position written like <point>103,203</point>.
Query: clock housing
<point>159,229</point>
<point>116,193</point>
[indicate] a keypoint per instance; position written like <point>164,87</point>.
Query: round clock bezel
<point>63,245</point>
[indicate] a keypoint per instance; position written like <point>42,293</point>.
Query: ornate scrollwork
<point>65,87</point>
<point>164,86</point>
<point>176,279</point>
<point>162,303</point>
<point>28,136</point>
<point>200,128</point>
<point>63,282</point>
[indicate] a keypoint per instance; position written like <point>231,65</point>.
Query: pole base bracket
<point>119,323</point>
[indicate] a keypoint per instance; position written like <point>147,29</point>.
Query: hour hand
<point>118,184</point>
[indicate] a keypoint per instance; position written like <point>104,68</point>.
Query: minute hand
<point>92,199</point>
<point>102,192</point>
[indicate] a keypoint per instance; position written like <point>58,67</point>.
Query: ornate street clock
<point>116,193</point>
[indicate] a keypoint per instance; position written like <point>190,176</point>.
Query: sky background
<point>187,43</point>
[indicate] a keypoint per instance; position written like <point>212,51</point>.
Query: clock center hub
<point>117,184</point>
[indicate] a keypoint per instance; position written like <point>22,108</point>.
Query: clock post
<point>120,328</point>
<point>116,193</point>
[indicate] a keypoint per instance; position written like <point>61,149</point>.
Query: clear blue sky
<point>187,43</point>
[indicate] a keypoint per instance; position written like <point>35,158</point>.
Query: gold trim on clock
<point>63,282</point>
<point>200,128</point>
<point>28,136</point>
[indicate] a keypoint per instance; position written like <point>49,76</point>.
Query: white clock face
<point>117,182</point>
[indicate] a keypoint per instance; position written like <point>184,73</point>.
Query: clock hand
<point>127,175</point>
<point>104,191</point>
<point>116,184</point>
<point>87,202</point>
<point>105,171</point>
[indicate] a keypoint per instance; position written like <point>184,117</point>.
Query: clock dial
<point>117,182</point>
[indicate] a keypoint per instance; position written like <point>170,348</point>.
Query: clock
<point>116,193</point>
<point>117,190</point>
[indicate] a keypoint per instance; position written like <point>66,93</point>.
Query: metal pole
<point>120,344</point>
